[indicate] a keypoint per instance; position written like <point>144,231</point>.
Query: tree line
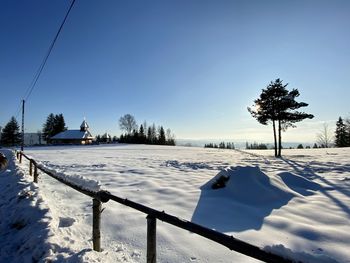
<point>255,146</point>
<point>144,134</point>
<point>222,145</point>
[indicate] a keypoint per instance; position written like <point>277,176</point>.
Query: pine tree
<point>48,127</point>
<point>54,124</point>
<point>142,136</point>
<point>277,105</point>
<point>59,124</point>
<point>149,135</point>
<point>161,138</point>
<point>347,131</point>
<point>10,135</point>
<point>340,133</point>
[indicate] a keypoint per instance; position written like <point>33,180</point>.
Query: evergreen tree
<point>59,124</point>
<point>277,105</point>
<point>161,138</point>
<point>347,131</point>
<point>149,135</point>
<point>10,135</point>
<point>142,136</point>
<point>48,127</point>
<point>54,124</point>
<point>340,133</point>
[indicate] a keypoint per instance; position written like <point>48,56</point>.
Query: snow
<point>297,205</point>
<point>77,180</point>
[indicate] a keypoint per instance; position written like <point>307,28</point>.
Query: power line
<point>42,65</point>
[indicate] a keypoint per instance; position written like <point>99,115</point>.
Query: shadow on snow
<point>249,196</point>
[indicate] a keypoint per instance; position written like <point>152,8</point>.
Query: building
<point>31,138</point>
<point>82,136</point>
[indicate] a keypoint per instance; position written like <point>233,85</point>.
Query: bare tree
<point>325,137</point>
<point>127,123</point>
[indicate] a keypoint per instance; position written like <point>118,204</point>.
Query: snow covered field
<point>298,205</point>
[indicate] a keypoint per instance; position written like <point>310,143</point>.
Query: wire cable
<point>42,65</point>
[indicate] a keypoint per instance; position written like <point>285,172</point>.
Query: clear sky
<point>192,66</point>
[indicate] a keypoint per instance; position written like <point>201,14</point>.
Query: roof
<point>84,125</point>
<point>72,135</point>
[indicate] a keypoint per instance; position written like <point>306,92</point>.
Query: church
<point>82,136</point>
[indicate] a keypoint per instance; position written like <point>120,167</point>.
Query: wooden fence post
<point>31,167</point>
<point>151,239</point>
<point>35,173</point>
<point>20,157</point>
<point>96,224</point>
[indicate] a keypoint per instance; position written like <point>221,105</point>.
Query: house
<point>32,138</point>
<point>82,136</point>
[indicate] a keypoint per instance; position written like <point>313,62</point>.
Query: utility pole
<point>22,145</point>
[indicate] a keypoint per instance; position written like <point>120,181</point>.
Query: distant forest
<point>221,145</point>
<point>144,134</point>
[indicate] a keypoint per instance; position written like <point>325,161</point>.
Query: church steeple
<point>84,126</point>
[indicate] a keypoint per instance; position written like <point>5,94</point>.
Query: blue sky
<point>192,66</point>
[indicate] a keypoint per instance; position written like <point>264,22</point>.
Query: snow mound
<point>249,185</point>
<point>78,180</point>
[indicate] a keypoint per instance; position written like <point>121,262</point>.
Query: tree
<point>340,133</point>
<point>54,124</point>
<point>347,131</point>
<point>153,134</point>
<point>161,137</point>
<point>48,127</point>
<point>127,123</point>
<point>170,138</point>
<point>10,135</point>
<point>142,136</point>
<point>59,124</point>
<point>324,137</point>
<point>277,105</point>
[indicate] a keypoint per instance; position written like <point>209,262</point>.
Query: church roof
<point>72,135</point>
<point>84,124</point>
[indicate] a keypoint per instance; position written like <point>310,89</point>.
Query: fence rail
<point>103,196</point>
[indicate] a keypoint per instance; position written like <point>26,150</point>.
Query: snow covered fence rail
<point>102,196</point>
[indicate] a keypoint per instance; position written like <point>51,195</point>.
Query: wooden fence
<point>103,196</point>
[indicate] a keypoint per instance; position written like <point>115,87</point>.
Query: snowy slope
<point>297,205</point>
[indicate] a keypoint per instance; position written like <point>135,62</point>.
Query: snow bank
<point>78,180</point>
<point>33,232</point>
<point>25,218</point>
